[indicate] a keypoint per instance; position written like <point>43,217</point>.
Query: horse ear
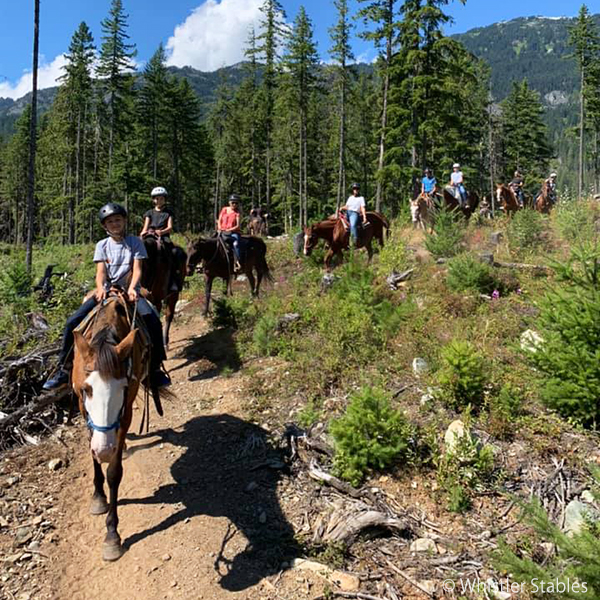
<point>126,345</point>
<point>81,344</point>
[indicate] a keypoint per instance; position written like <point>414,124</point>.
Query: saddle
<point>118,296</point>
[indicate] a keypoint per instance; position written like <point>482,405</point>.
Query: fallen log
<point>33,407</point>
<point>346,526</point>
<point>523,266</point>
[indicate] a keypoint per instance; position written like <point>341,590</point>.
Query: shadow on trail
<point>208,355</point>
<point>223,456</point>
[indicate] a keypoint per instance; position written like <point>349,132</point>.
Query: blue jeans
<point>462,192</point>
<point>234,238</point>
<point>354,219</point>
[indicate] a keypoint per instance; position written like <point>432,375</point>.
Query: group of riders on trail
<point>456,187</point>
<point>119,258</point>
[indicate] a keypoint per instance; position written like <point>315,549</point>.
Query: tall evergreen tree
<point>301,60</point>
<point>524,134</point>
<point>273,31</point>
<point>341,53</point>
<point>151,106</point>
<point>383,15</point>
<point>114,68</point>
<point>78,83</point>
<point>584,38</point>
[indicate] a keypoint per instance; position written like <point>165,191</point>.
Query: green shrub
<point>467,273</point>
<point>393,256</point>
<point>265,335</point>
<point>569,324</point>
<point>526,231</point>
<point>15,281</point>
<point>464,470</point>
<point>448,232</point>
<point>504,408</point>
<point>310,414</point>
<point>463,375</point>
<point>370,435</point>
<point>234,312</point>
<point>575,221</point>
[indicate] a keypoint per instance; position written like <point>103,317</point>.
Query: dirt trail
<point>199,513</point>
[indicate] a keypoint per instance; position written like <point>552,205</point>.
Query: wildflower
<point>495,295</point>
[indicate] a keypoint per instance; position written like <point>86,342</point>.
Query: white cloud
<point>47,76</point>
<point>214,35</point>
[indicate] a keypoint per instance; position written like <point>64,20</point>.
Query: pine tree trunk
<point>111,133</point>
<point>342,155</point>
<point>32,141</point>
<point>78,166</point>
<point>581,131</point>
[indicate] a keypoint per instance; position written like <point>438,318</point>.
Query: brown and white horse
<point>421,211</point>
<point>109,363</point>
<point>506,199</point>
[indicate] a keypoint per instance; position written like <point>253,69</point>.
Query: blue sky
<point>206,34</point>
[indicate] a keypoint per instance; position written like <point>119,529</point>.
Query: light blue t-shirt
<point>118,258</point>
<point>428,184</point>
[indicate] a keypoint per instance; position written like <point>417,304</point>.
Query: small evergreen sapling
<point>370,436</point>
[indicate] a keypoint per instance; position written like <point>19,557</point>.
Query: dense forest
<point>283,129</point>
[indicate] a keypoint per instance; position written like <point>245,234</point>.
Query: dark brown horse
<point>453,204</point>
<point>162,275</point>
<point>337,236</point>
<point>258,224</point>
<point>217,262</point>
<point>506,199</point>
<point>110,360</point>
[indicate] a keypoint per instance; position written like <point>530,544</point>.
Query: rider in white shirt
<point>355,211</point>
<point>457,182</point>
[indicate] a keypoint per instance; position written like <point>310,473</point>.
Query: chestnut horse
<point>163,274</point>
<point>337,237</point>
<point>110,360</point>
<point>217,262</point>
<point>452,203</point>
<point>506,199</point>
<point>543,203</point>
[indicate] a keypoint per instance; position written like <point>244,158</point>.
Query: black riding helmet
<point>110,209</point>
<point>355,186</point>
<point>234,198</point>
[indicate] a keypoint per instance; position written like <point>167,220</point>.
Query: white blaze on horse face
<point>414,210</point>
<point>306,238</point>
<point>499,195</point>
<point>104,408</point>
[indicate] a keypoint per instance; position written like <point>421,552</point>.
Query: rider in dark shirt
<point>517,187</point>
<point>158,222</point>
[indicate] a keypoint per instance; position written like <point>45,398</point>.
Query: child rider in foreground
<point>118,261</point>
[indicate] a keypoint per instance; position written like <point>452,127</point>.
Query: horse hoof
<point>98,506</point>
<point>112,552</point>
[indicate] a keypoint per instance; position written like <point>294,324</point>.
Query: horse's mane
<point>104,342</point>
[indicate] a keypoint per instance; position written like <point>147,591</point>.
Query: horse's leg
<point>251,281</point>
<point>170,303</point>
<point>112,549</point>
<point>328,258</point>
<point>207,291</point>
<point>99,505</point>
<point>369,251</point>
